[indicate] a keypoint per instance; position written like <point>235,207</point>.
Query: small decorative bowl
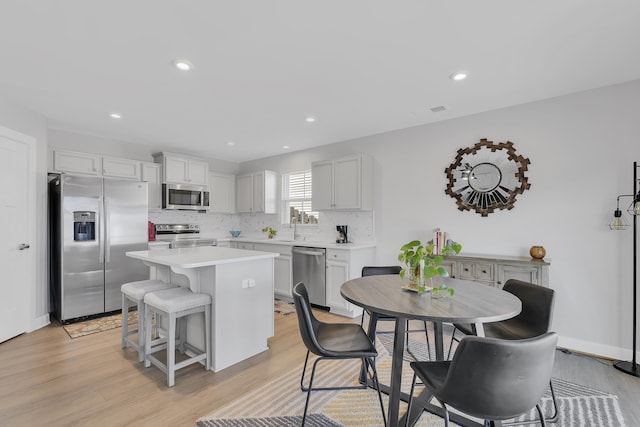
<point>235,233</point>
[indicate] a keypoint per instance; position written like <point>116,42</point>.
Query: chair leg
<point>426,332</point>
<point>413,387</point>
<point>125,318</point>
<point>147,341</point>
<point>171,350</point>
<point>453,338</point>
<point>554,417</point>
<point>306,405</point>
<point>543,423</point>
<point>141,331</point>
<point>304,370</point>
<point>446,413</point>
<point>377,385</point>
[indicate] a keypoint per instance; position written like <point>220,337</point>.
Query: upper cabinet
<point>257,192</point>
<point>120,168</point>
<point>343,184</point>
<point>222,192</point>
<point>177,169</point>
<point>151,174</point>
<point>72,162</point>
<point>94,164</point>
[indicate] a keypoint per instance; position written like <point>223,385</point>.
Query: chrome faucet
<point>294,221</point>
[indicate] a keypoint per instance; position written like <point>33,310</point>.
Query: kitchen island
<point>240,283</point>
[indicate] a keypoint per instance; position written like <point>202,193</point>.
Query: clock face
<point>487,177</point>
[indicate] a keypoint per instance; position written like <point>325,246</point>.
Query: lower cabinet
<point>495,271</point>
<point>282,268</point>
<point>343,265</point>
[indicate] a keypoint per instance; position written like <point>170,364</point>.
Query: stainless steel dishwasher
<point>309,268</point>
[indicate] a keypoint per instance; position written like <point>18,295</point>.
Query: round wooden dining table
<point>384,295</point>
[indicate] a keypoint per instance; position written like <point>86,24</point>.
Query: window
<point>296,198</point>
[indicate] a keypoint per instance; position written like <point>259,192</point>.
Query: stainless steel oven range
<point>182,235</point>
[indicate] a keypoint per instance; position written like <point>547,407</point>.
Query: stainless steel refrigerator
<point>93,222</point>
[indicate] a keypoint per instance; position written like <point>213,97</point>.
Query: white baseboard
<point>39,322</point>
<point>596,349</point>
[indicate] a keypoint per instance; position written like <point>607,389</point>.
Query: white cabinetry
<point>151,174</point>
<point>343,184</point>
<point>343,265</point>
<point>257,192</point>
<point>178,169</point>
<point>73,162</point>
<point>120,168</point>
<point>282,268</point>
<point>496,270</point>
<point>222,192</point>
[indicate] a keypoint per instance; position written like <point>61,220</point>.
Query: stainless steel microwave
<point>185,197</point>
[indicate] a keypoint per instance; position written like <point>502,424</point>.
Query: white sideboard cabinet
<point>178,169</point>
<point>496,270</point>
<point>343,184</point>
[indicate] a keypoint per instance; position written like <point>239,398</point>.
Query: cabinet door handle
<point>484,271</point>
<point>466,269</point>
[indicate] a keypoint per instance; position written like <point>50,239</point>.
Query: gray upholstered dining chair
<point>332,341</point>
<point>374,317</point>
<point>534,320</point>
<point>489,378</point>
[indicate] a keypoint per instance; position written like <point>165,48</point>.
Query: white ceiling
<point>360,67</point>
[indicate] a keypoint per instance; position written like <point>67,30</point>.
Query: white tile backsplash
<point>361,224</point>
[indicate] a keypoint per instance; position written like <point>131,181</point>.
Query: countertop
<point>291,242</point>
<point>204,256</point>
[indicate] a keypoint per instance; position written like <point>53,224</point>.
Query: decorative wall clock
<point>487,177</point>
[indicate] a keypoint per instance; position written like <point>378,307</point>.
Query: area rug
<point>101,324</point>
<point>281,403</point>
<point>283,307</point>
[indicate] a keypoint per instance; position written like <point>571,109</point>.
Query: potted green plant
<point>421,262</point>
<point>271,232</point>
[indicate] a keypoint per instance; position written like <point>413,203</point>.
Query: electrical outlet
<point>245,283</point>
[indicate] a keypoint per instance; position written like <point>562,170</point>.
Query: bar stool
<point>176,304</point>
<point>135,292</point>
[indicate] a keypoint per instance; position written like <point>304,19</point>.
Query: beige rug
<point>281,402</point>
<point>101,324</point>
<point>283,307</point>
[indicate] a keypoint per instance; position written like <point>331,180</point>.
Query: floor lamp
<point>619,223</point>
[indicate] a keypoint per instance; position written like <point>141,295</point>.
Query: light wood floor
<point>48,379</point>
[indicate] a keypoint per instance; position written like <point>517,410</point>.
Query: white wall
<point>17,118</point>
<point>581,148</point>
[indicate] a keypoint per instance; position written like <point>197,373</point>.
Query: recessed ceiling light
<point>115,115</point>
<point>459,75</point>
<point>231,143</point>
<point>183,65</point>
<point>286,147</point>
<point>310,119</point>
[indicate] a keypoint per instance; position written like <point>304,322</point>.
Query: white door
<point>16,262</point>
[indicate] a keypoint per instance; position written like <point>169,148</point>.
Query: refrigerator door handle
<point>107,231</point>
<point>99,231</point>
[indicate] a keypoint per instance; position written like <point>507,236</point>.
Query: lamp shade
<point>618,222</point>
<point>634,207</point>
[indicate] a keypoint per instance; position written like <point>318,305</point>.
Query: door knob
<point>23,246</point>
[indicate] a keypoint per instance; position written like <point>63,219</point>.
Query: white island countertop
<point>206,256</point>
